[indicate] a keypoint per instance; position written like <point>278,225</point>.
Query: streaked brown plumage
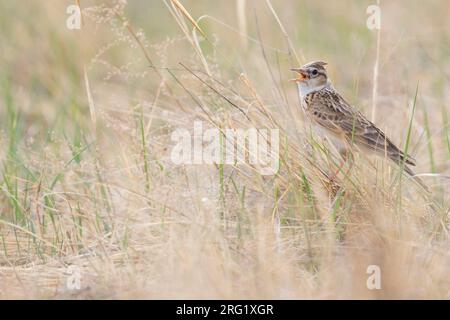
<point>330,111</point>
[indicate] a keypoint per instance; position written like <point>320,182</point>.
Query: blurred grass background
<point>91,183</point>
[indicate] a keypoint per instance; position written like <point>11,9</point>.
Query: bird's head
<point>311,75</point>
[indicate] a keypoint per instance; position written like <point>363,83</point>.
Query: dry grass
<point>87,181</point>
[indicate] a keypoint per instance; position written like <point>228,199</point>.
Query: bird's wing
<point>335,114</point>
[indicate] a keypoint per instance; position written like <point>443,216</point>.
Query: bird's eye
<point>314,72</point>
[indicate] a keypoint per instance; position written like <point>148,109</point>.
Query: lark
<point>343,124</point>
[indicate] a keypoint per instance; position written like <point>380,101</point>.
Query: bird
<point>338,120</point>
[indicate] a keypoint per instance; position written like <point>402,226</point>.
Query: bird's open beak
<point>302,75</point>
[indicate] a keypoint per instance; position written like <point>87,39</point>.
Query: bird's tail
<point>404,161</point>
<point>400,157</point>
<point>416,178</point>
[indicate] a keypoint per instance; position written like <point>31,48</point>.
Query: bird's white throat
<point>304,88</point>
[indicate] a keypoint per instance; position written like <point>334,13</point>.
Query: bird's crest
<point>316,64</point>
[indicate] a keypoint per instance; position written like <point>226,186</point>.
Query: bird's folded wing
<point>342,119</point>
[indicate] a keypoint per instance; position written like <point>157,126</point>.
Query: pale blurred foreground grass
<point>87,180</point>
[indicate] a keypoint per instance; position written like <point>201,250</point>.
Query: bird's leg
<point>346,155</point>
